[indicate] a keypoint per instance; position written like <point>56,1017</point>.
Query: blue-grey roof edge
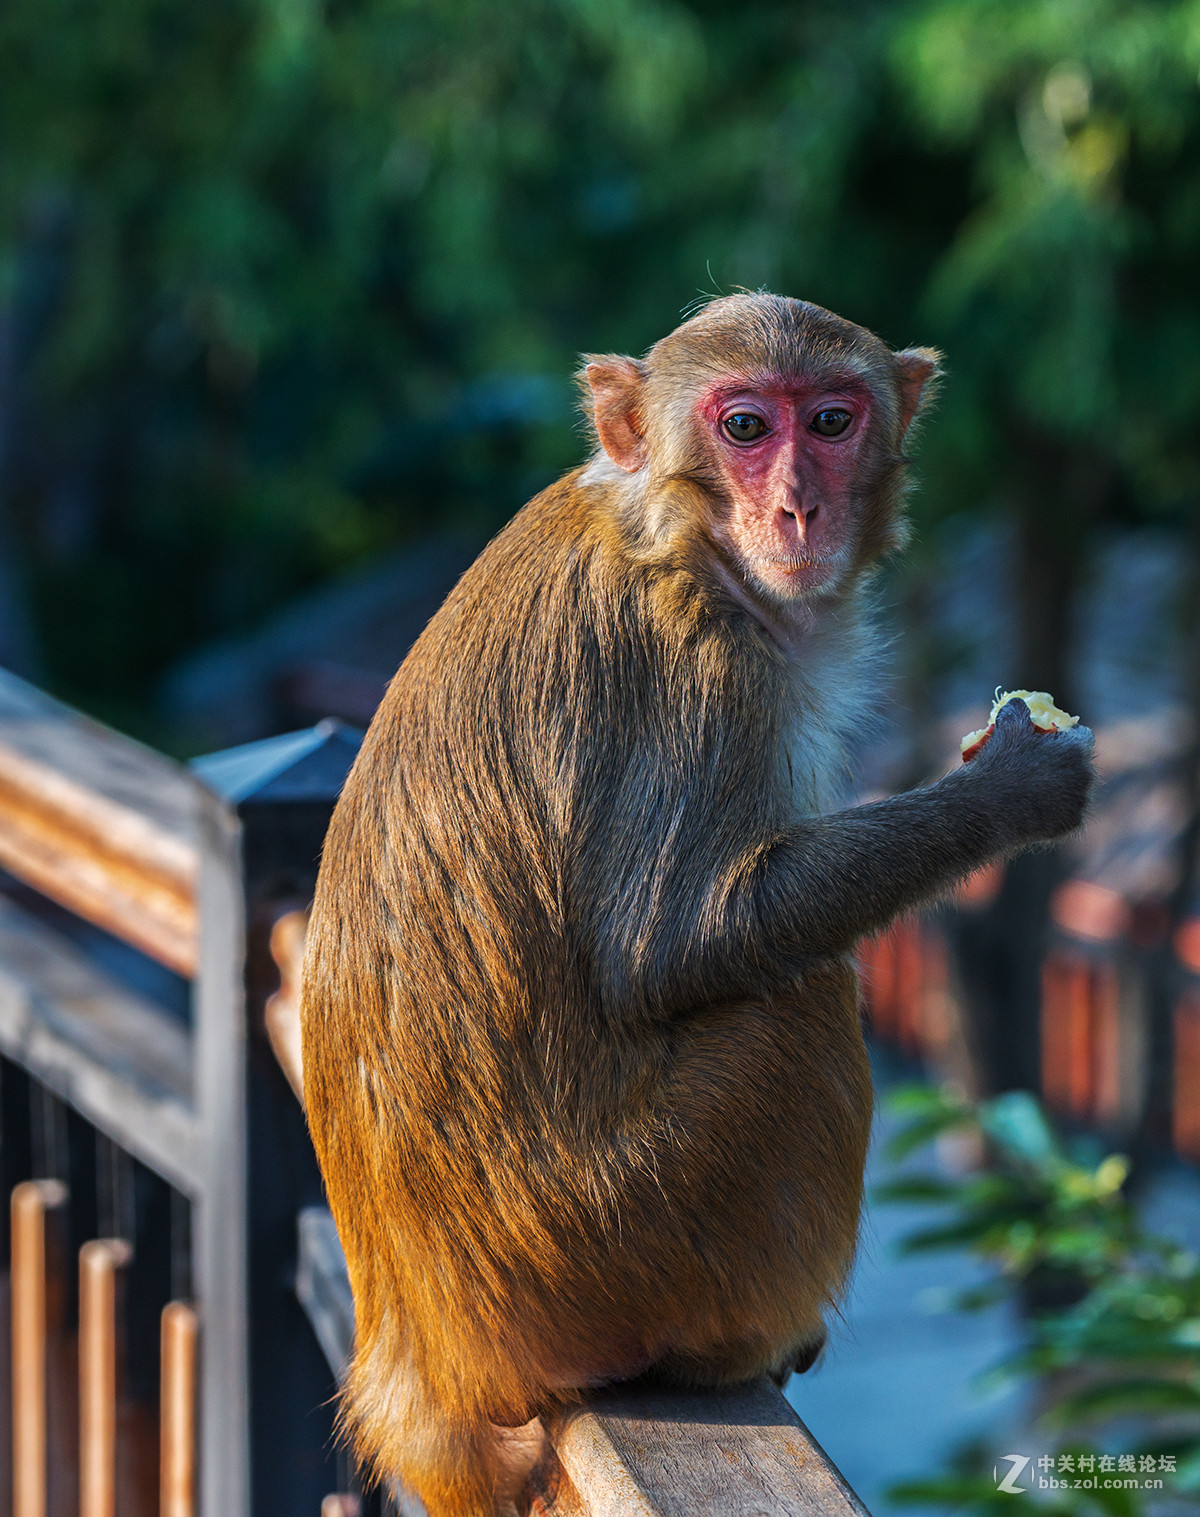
<point>309,765</point>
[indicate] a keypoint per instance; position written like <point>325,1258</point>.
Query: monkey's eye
<point>744,426</point>
<point>831,422</point>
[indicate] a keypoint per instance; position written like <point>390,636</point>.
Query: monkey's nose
<point>792,528</point>
<point>797,517</point>
<point>802,509</point>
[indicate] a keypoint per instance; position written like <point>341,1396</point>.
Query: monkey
<point>581,1034</point>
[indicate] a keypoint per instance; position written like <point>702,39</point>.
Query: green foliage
<point>1068,280</point>
<point>290,281</point>
<point>1033,1212</point>
<point>1112,1313</point>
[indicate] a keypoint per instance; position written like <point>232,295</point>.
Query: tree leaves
<point>217,217</point>
<point>1112,1313</point>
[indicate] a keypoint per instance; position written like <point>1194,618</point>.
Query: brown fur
<point>581,1040</point>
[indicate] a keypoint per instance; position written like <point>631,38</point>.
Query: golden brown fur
<point>585,1097</point>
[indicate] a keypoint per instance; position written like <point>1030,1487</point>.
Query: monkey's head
<point>790,423</point>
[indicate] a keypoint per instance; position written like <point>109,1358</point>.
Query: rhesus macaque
<point>581,1034</point>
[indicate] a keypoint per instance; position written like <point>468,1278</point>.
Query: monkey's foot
<point>803,1359</point>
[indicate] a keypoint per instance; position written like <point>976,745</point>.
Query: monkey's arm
<point>826,882</point>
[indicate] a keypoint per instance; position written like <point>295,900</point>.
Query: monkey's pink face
<point>788,454</point>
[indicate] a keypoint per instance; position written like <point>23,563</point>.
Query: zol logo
<point>1016,1464</point>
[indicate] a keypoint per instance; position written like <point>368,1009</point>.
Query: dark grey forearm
<point>829,881</point>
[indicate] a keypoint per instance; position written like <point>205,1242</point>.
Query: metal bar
<point>323,1286</point>
<point>177,1430</point>
<point>99,1262</point>
<point>219,1236</point>
<point>30,1202</point>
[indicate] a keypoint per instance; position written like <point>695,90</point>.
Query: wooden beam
<point>98,859</point>
<point>741,1452</point>
<point>98,823</point>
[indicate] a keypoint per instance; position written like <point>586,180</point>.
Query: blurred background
<point>289,288</point>
<point>291,294</point>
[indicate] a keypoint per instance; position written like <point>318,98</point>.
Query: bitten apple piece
<point>1045,715</point>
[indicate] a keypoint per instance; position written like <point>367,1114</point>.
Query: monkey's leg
<point>748,1359</point>
<point>740,1234</point>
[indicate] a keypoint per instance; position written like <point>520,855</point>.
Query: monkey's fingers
<point>1081,737</point>
<point>1013,717</point>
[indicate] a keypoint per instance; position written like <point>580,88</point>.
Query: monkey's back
<point>564,1133</point>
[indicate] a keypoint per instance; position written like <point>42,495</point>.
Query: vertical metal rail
<point>99,1262</point>
<point>177,1413</point>
<point>30,1203</point>
<point>220,1207</point>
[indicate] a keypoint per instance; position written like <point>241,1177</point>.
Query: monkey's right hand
<point>1041,781</point>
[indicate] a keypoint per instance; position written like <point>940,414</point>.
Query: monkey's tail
<point>453,1459</point>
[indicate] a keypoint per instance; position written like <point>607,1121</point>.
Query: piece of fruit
<point>1045,715</point>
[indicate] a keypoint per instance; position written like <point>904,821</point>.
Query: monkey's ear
<point>919,370</point>
<point>615,388</point>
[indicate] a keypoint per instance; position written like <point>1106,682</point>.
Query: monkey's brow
<point>841,379</point>
<point>811,379</point>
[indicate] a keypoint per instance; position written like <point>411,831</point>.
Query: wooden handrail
<point>99,824</point>
<point>634,1451</point>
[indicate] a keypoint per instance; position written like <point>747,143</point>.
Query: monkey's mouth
<point>793,578</point>
<point>802,568</point>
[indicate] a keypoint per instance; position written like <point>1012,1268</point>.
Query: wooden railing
<point>97,832</point>
<point>99,824</point>
<point>137,898</point>
<point>660,1453</point>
